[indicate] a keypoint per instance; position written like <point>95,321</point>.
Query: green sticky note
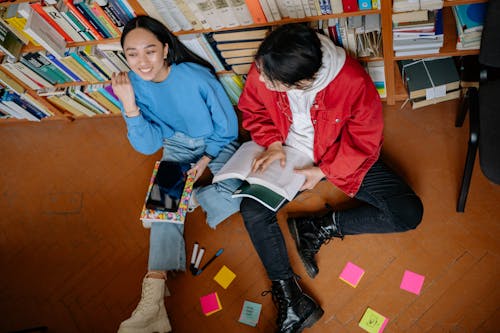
<point>250,313</point>
<point>373,321</point>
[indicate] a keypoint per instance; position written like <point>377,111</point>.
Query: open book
<point>169,190</point>
<point>284,182</point>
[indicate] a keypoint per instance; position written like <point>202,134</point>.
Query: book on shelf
<point>73,11</point>
<point>247,34</point>
<point>37,7</point>
<point>113,13</point>
<point>281,180</point>
<point>79,23</point>
<point>86,11</point>
<point>29,73</point>
<point>22,106</point>
<point>241,11</point>
<point>43,67</point>
<point>9,82</point>
<point>239,53</point>
<point>168,193</point>
<point>376,71</point>
<point>237,45</point>
<point>240,60</point>
<point>10,43</point>
<point>45,34</point>
<point>413,16</point>
<point>429,78</point>
<point>422,101</point>
<point>471,16</point>
<point>104,19</point>
<point>241,69</point>
<point>256,11</point>
<point>62,22</point>
<point>414,52</point>
<point>78,95</point>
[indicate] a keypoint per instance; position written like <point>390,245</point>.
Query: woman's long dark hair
<point>290,54</point>
<point>177,52</point>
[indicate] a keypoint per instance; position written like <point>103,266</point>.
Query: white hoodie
<point>301,134</point>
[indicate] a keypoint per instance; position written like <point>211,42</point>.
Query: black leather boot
<point>309,233</point>
<point>296,310</point>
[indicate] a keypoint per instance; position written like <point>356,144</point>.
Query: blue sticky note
<point>250,313</point>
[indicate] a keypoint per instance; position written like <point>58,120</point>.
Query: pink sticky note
<point>210,303</point>
<point>351,274</point>
<point>384,324</point>
<point>412,282</point>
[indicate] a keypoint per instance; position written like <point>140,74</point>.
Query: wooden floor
<point>73,253</point>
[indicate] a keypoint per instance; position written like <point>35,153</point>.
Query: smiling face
<point>146,55</point>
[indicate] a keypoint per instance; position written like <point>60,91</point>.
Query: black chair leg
<point>473,104</point>
<point>462,112</point>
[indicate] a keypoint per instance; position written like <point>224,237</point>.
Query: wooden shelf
<point>450,3</point>
<point>400,94</point>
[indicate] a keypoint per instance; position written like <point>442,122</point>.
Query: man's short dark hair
<point>290,54</point>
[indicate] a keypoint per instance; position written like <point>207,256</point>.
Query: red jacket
<point>347,119</point>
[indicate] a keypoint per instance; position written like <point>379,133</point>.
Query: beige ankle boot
<point>150,314</point>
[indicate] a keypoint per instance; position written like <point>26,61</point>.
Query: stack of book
<point>19,105</point>
<point>469,20</point>
<point>238,48</point>
<point>413,37</point>
<point>415,5</point>
<point>430,81</point>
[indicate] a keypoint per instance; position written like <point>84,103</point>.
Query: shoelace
<point>277,301</point>
<point>146,299</point>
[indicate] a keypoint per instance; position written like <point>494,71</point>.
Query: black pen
<point>219,252</point>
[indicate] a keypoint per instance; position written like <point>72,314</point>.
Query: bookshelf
<point>394,86</point>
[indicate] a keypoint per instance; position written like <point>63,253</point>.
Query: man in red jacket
<point>305,92</point>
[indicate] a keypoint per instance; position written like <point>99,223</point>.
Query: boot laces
<point>315,241</point>
<point>147,299</point>
<point>279,302</point>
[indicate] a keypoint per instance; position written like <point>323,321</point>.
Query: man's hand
<point>313,176</point>
<point>200,166</point>
<point>272,153</point>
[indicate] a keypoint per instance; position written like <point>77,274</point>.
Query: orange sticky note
<point>224,277</point>
<point>210,304</point>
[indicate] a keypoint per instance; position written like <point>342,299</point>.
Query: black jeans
<point>390,205</point>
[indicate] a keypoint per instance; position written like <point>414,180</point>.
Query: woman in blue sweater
<point>171,99</point>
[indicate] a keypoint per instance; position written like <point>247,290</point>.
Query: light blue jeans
<point>166,240</point>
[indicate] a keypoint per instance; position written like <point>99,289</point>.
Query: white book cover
<point>32,74</point>
<point>241,11</point>
<point>267,11</point>
<point>336,6</point>
<point>177,14</point>
<point>282,180</point>
<point>273,6</point>
<point>283,8</point>
<point>61,21</point>
<point>307,9</point>
<point>45,34</point>
<point>226,13</point>
<point>21,76</point>
<point>188,13</point>
<point>197,13</point>
<point>22,113</point>
<point>314,6</point>
<point>300,8</point>
<point>416,52</point>
<point>166,17</point>
<point>207,9</point>
<point>417,43</point>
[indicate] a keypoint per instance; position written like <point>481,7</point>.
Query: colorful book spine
<point>39,9</point>
<point>76,13</point>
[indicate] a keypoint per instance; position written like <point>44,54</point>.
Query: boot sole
<point>312,319</point>
<point>292,226</point>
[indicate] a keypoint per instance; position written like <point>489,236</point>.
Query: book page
<point>283,181</point>
<point>240,164</point>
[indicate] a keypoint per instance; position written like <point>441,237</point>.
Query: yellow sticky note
<point>224,277</point>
